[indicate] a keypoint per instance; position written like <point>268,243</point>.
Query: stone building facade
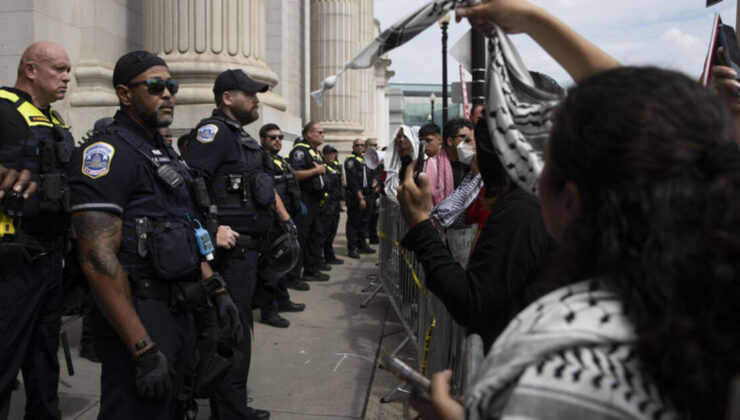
<point>289,44</point>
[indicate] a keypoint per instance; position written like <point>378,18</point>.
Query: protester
<point>459,147</point>
<point>504,263</point>
<point>646,220</point>
<point>405,142</point>
<point>436,165</point>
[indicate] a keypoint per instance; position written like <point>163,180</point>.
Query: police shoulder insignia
<point>350,163</point>
<point>299,154</point>
<point>207,133</point>
<point>96,159</point>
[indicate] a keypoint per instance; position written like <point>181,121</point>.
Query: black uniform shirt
<point>303,158</point>
<point>221,147</point>
<point>113,176</point>
<point>108,173</point>
<point>13,133</point>
<point>357,177</point>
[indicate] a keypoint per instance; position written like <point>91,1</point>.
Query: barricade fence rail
<point>439,340</point>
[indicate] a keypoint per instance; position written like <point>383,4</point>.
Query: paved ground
<point>321,367</point>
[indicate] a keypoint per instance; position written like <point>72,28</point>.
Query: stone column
<point>333,43</point>
<point>201,38</point>
<point>366,34</point>
<point>382,122</point>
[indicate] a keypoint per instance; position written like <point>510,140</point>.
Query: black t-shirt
<point>504,263</point>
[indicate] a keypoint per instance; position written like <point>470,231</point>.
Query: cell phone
<point>407,374</point>
<point>728,41</point>
<point>407,160</point>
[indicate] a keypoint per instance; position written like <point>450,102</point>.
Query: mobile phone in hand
<point>408,375</point>
<point>727,39</point>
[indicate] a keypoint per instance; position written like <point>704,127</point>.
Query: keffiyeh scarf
<point>569,354</point>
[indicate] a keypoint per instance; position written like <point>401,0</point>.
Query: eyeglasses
<point>276,136</point>
<point>372,145</point>
<point>156,86</point>
<point>356,145</point>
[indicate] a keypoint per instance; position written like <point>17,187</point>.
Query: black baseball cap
<point>133,64</point>
<point>328,149</point>
<point>237,79</point>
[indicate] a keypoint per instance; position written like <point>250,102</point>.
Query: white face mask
<point>465,152</point>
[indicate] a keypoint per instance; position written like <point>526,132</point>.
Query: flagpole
<point>737,21</point>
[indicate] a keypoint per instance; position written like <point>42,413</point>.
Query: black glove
<point>289,227</point>
<point>228,316</point>
<point>152,374</point>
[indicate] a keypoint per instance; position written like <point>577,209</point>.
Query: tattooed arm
<point>99,238</point>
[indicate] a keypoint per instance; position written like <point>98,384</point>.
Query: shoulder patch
<point>299,154</point>
<point>39,118</point>
<point>96,159</point>
<point>350,163</point>
<point>207,133</point>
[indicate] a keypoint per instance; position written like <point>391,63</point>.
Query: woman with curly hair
<point>641,188</point>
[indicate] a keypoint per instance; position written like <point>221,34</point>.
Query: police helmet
<point>280,256</point>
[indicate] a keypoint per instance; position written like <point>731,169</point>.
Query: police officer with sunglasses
<point>237,173</point>
<point>142,248</point>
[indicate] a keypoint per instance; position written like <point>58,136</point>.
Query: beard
<point>246,116</point>
<point>153,118</point>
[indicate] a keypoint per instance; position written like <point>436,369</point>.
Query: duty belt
<point>146,288</point>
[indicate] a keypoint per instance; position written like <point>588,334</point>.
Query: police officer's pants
<point>310,235</point>
<point>229,397</point>
<point>174,335</point>
<point>330,221</point>
<point>355,233</point>
<point>30,301</point>
<point>274,293</point>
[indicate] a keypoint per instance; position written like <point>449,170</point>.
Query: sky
<point>667,33</point>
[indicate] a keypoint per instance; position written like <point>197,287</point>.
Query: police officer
<point>373,210</point>
<point>287,188</point>
<point>239,177</point>
<point>309,168</point>
<point>359,185</point>
<point>35,142</point>
<point>332,203</point>
<point>135,223</point>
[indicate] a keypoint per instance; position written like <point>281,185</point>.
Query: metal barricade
<point>439,341</point>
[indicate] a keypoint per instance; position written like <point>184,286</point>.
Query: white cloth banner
<point>398,34</point>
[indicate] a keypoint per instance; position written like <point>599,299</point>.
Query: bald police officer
<point>34,140</point>
<point>310,170</point>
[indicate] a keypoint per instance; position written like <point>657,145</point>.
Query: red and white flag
<point>706,73</point>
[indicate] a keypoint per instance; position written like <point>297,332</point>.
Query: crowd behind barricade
<point>165,253</point>
<point>601,275</point>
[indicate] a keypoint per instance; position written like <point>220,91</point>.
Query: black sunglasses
<point>276,136</point>
<point>156,86</point>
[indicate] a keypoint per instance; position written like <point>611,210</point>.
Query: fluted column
<point>334,41</point>
<point>201,38</point>
<point>367,76</point>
